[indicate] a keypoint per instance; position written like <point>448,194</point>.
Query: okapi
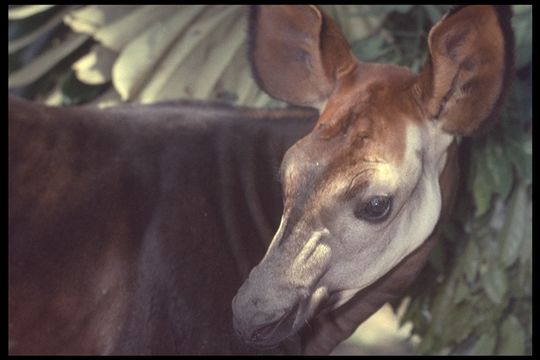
<point>146,229</point>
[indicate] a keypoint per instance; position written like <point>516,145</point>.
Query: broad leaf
<point>21,12</point>
<point>512,337</point>
<point>481,186</point>
<point>170,52</point>
<point>90,19</point>
<point>471,259</point>
<point>495,284</point>
<point>45,62</point>
<point>142,58</point>
<point>116,35</point>
<point>21,42</point>
<point>485,345</point>
<point>173,78</point>
<point>513,232</point>
<point>522,24</point>
<point>499,169</point>
<point>95,67</point>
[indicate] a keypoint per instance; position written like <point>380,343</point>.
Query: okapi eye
<point>376,209</point>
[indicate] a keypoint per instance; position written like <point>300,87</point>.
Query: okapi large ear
<point>469,67</point>
<point>297,53</point>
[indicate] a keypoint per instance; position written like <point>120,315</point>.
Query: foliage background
<point>475,295</point>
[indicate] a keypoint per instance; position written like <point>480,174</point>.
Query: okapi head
<point>362,190</point>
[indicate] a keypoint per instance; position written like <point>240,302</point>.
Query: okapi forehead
<point>367,105</point>
<point>363,123</point>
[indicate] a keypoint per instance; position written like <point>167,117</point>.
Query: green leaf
<point>95,67</point>
<point>143,59</point>
<point>500,169</point>
<point>526,170</point>
<point>370,48</point>
<point>75,92</point>
<point>485,345</point>
<point>460,325</point>
<point>437,257</point>
<point>45,62</point>
<point>520,9</point>
<point>461,292</point>
<point>481,186</point>
<point>526,245</point>
<point>37,31</point>
<point>518,143</point>
<point>513,232</point>
<point>522,24</point>
<point>490,248</point>
<point>427,345</point>
<point>471,260</point>
<point>442,308</point>
<point>89,19</point>
<point>434,12</point>
<point>495,284</point>
<point>511,337</point>
<point>356,21</point>
<point>493,173</point>
<point>118,34</point>
<point>486,311</point>
<point>399,8</point>
<point>526,146</point>
<point>521,161</point>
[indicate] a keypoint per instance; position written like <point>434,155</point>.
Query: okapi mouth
<point>271,334</point>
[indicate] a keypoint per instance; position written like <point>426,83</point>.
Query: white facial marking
<point>321,106</point>
<point>311,246</point>
<point>388,174</point>
<point>310,260</point>
<point>370,250</point>
<point>277,235</point>
<point>318,296</point>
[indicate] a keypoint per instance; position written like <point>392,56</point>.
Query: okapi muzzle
<point>365,190</point>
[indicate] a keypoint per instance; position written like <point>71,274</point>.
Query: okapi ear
<point>297,53</point>
<point>469,67</point>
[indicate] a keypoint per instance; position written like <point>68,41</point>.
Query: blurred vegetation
<point>475,295</point>
<point>102,54</point>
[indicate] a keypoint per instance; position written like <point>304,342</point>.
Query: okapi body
<point>131,229</point>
